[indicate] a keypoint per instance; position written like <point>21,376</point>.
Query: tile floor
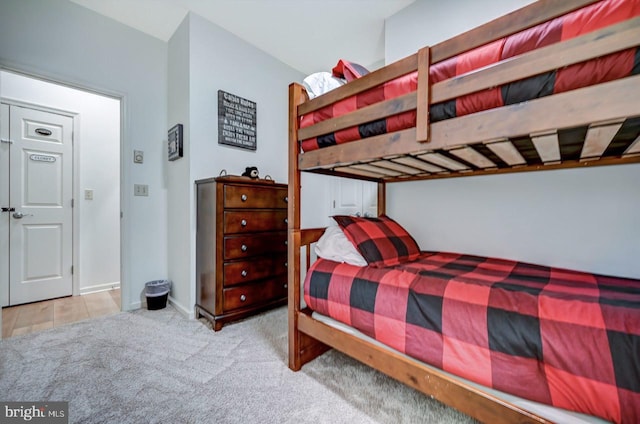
<point>24,319</point>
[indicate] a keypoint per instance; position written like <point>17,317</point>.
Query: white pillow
<point>334,246</point>
<point>320,83</point>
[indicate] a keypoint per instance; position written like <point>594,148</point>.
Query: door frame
<point>75,180</point>
<point>125,202</point>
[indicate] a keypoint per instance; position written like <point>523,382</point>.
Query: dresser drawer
<point>254,221</point>
<point>239,272</point>
<point>238,196</point>
<point>244,246</point>
<point>247,295</point>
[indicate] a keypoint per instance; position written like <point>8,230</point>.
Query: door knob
<point>20,215</point>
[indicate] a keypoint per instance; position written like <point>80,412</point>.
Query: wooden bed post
<point>424,94</point>
<point>302,348</point>
<point>382,198</point>
<point>296,97</point>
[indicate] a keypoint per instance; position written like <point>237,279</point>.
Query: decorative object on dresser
<point>241,247</point>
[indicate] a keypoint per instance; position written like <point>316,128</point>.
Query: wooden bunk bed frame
<point>603,108</point>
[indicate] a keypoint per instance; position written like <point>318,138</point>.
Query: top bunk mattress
<point>564,338</point>
<point>580,22</point>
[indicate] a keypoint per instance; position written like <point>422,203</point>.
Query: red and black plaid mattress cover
<point>564,338</point>
<point>574,24</point>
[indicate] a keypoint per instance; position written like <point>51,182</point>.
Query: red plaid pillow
<point>348,70</point>
<point>381,241</point>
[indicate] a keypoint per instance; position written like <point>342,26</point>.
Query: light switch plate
<point>140,190</point>
<point>88,194</point>
<point>138,156</point>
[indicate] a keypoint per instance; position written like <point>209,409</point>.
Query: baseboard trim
<point>190,314</point>
<point>100,287</point>
<point>135,305</point>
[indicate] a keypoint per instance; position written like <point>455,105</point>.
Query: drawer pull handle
<point>286,199</point>
<point>244,273</point>
<point>243,298</point>
<point>243,197</point>
<point>286,242</point>
<point>286,264</point>
<point>243,247</point>
<point>243,223</point>
<point>286,221</point>
<point>285,285</point>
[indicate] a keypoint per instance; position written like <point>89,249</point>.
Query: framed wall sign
<point>236,121</point>
<point>175,142</point>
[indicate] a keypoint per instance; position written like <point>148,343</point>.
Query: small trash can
<point>157,292</point>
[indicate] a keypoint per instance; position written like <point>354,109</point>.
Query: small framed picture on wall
<point>175,142</point>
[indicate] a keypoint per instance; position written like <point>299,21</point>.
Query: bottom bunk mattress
<point>564,338</point>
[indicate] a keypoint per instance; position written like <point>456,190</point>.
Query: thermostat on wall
<point>138,156</point>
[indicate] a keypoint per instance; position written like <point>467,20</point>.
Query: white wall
<point>427,22</point>
<point>218,60</point>
<point>222,61</point>
<point>178,184</point>
<point>582,219</point>
<point>65,42</point>
<point>579,219</point>
<point>98,148</point>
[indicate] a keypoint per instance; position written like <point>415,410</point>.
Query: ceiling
<point>308,35</point>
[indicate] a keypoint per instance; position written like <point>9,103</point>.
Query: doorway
<point>78,253</point>
<point>36,201</point>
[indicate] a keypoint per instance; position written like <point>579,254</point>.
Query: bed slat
<point>397,167</point>
<point>598,138</point>
<point>547,146</point>
<point>507,152</point>
<point>376,169</point>
<point>443,161</point>
<point>355,171</point>
<point>420,164</point>
<point>634,148</point>
<point>473,157</point>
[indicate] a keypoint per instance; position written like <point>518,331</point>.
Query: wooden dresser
<point>241,248</point>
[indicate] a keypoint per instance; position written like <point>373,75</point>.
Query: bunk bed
<point>593,122</point>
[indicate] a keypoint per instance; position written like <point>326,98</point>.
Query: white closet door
<point>354,197</point>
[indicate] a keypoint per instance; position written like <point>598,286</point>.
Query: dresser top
<point>238,179</point>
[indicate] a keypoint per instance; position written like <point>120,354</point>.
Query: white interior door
<point>369,199</point>
<point>40,191</point>
<point>347,197</point>
<point>354,197</point>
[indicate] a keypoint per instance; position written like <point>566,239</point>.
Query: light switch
<point>88,194</point>
<point>140,190</point>
<point>138,156</point>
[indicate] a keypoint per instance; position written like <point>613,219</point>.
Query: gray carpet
<point>159,367</point>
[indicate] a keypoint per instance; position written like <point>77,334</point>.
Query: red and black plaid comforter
<point>574,24</point>
<point>564,338</point>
